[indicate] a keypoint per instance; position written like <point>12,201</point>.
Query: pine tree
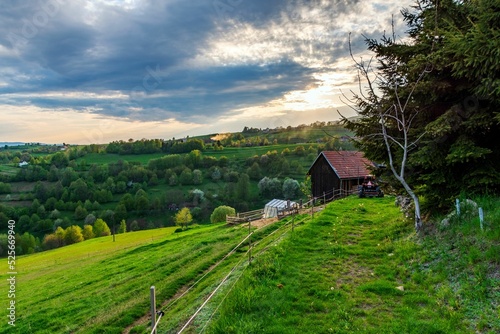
<point>444,81</point>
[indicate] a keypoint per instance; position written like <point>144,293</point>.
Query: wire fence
<point>262,245</point>
<point>247,217</point>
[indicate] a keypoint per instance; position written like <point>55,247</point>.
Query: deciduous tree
<point>73,234</point>
<point>88,232</point>
<point>183,218</point>
<point>219,214</point>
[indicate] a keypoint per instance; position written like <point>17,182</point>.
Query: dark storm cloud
<point>136,55</point>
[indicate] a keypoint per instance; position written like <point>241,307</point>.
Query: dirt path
<point>263,222</point>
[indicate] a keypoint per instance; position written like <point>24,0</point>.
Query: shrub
<point>88,232</point>
<point>101,228</point>
<point>50,241</point>
<point>73,234</point>
<point>219,214</point>
<point>123,226</point>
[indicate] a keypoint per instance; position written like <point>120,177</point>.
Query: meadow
<point>102,286</point>
<point>358,267</point>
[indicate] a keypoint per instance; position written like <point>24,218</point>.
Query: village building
<point>334,170</point>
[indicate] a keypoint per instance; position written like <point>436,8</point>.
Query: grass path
<point>349,270</point>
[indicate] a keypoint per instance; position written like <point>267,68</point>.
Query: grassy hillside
<point>101,286</point>
<point>356,267</point>
<point>359,268</point>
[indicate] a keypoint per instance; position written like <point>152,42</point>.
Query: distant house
<point>333,170</point>
<point>23,164</point>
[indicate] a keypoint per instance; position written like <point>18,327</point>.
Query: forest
<point>70,193</point>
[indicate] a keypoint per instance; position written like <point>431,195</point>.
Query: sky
<point>94,71</point>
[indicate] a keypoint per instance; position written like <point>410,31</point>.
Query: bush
<point>291,188</point>
<point>73,235</point>
<point>101,228</point>
<point>219,214</point>
<point>88,232</point>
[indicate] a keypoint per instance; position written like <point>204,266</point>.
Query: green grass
<point>107,158</point>
<point>358,267</point>
<point>8,169</point>
<point>102,286</point>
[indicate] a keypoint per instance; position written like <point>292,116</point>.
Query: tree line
<point>70,195</point>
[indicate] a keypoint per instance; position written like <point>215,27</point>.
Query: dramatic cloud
<point>164,68</point>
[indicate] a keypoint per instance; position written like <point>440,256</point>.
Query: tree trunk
<point>418,219</point>
<point>416,202</point>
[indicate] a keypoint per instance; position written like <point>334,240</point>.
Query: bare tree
<point>394,116</point>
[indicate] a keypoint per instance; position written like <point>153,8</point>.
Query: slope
<point>102,286</point>
<point>358,267</point>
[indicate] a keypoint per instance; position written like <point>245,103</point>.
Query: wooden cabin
<point>334,170</point>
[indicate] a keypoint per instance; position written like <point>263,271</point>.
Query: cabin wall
<point>323,178</point>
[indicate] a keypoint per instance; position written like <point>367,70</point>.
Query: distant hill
<point>11,143</point>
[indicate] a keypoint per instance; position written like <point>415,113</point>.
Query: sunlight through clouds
<point>166,68</point>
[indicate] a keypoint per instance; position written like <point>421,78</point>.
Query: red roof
<point>348,164</point>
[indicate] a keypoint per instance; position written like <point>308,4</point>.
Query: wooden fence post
<point>249,244</point>
<point>312,207</point>
<point>153,308</point>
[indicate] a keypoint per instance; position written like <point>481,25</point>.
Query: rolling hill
<point>356,266</point>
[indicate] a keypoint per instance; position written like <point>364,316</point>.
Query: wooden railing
<point>329,197</point>
<point>245,217</point>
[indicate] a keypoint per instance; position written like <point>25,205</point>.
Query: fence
<point>330,196</point>
<point>245,217</point>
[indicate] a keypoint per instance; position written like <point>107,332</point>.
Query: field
<point>357,266</point>
<point>103,286</point>
<point>107,158</point>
